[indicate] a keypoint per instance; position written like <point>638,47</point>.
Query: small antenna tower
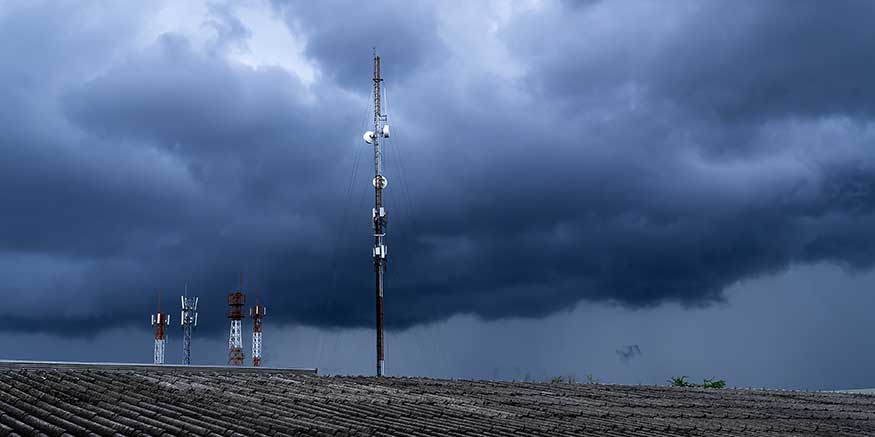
<point>381,130</point>
<point>236,300</point>
<point>188,319</point>
<point>159,321</point>
<point>257,313</point>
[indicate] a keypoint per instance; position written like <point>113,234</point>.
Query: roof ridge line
<point>24,364</point>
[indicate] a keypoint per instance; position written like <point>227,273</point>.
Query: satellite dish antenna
<point>380,182</point>
<point>369,137</point>
<point>386,131</point>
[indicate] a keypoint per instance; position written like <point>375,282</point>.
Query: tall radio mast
<point>381,130</point>
<point>188,319</point>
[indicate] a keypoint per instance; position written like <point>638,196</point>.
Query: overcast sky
<point>631,189</point>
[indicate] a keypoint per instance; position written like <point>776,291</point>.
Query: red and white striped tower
<point>160,321</point>
<point>236,300</point>
<point>257,313</point>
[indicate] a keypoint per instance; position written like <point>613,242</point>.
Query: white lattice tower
<point>188,320</point>
<point>236,300</point>
<point>160,322</point>
<point>235,340</point>
<point>159,351</point>
<point>256,349</point>
<point>257,313</point>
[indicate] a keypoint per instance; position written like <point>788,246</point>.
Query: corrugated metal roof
<point>82,399</point>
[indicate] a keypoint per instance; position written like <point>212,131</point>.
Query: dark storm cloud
<point>719,59</point>
<point>623,159</point>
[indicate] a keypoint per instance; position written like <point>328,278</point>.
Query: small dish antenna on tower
<point>370,135</point>
<point>380,182</point>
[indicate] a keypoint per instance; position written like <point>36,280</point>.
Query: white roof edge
<point>25,364</point>
<point>859,391</point>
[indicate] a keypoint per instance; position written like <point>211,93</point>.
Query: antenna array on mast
<point>188,319</point>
